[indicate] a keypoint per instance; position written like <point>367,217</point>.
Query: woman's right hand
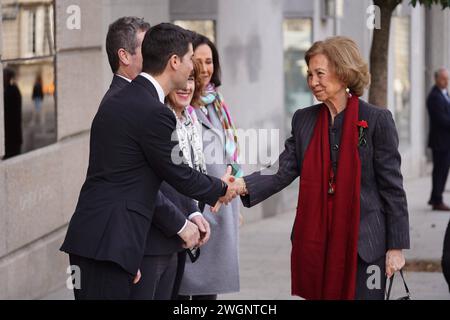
<point>395,261</point>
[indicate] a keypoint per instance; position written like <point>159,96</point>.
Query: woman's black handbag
<point>391,281</point>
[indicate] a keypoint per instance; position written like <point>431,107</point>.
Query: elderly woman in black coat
<point>352,219</point>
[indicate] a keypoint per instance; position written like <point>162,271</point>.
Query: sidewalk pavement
<point>265,253</point>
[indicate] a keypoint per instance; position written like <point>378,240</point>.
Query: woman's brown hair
<point>198,92</point>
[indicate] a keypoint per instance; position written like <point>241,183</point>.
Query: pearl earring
<point>348,92</point>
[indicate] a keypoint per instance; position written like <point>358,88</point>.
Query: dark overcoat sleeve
<point>389,180</point>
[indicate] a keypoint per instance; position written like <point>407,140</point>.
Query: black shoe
<point>441,207</point>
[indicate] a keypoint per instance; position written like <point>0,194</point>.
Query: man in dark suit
<point>130,155</point>
<point>438,105</point>
<point>169,226</point>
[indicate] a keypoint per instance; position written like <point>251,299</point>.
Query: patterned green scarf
<point>214,98</point>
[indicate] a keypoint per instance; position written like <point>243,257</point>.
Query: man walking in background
<point>438,105</point>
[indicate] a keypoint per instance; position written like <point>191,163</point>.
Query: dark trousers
<point>441,165</point>
<point>158,277</point>
<point>101,280</point>
<point>180,272</point>
<point>371,279</point>
<point>446,256</point>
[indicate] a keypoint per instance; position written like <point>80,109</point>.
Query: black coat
<point>384,213</point>
<point>130,155</point>
<point>172,208</point>
<point>13,119</point>
<point>439,112</point>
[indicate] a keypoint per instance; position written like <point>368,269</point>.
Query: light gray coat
<point>217,269</point>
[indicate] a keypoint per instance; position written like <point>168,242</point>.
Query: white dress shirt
<point>445,93</point>
<point>125,78</point>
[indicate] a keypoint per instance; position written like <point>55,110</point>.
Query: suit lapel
<point>363,115</point>
<point>439,93</point>
<point>446,97</point>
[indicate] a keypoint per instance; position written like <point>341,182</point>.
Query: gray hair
<point>122,35</point>
<point>439,71</point>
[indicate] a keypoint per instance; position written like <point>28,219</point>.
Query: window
<point>204,27</point>
<point>29,88</point>
<point>297,35</point>
<point>331,9</point>
<point>401,73</point>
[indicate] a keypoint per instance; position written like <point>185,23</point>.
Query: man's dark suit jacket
<point>439,112</point>
<point>384,214</point>
<point>130,155</point>
<point>172,208</point>
<point>161,239</point>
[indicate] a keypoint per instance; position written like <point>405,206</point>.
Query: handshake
<point>197,231</point>
<point>236,187</point>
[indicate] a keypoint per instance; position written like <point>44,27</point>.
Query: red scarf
<point>324,248</point>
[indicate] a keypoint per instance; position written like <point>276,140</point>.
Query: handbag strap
<point>391,281</point>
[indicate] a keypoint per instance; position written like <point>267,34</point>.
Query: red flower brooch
<point>362,126</point>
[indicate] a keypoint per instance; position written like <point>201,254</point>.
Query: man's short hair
<point>160,43</point>
<point>122,34</point>
<point>438,72</point>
